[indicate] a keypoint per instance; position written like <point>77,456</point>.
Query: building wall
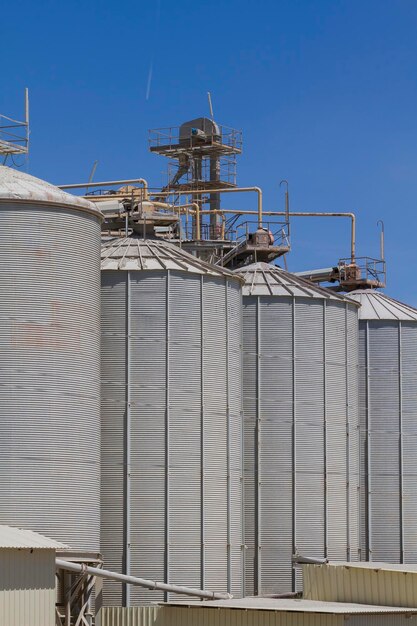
<point>27,587</point>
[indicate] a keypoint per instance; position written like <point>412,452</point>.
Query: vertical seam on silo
<point>229,576</point>
<point>128,442</point>
<point>242,456</point>
<point>167,442</point>
<point>258,577</point>
<point>348,555</point>
<point>294,447</point>
<point>400,442</point>
<point>368,450</point>
<point>325,431</point>
<point>202,555</point>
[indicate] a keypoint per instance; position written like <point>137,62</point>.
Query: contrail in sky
<point>148,86</point>
<point>150,73</point>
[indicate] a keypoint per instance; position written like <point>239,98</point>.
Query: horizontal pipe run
<point>199,192</point>
<point>351,216</point>
<point>107,183</point>
<point>140,582</point>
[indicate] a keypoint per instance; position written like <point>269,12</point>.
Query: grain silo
<point>171,420</point>
<point>301,439</point>
<point>388,427</point>
<point>49,361</point>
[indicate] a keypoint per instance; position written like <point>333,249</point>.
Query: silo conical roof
<point>17,186</point>
<point>264,279</point>
<point>134,253</point>
<point>378,306</point>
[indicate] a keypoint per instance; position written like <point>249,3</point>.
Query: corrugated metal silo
<point>171,420</point>
<point>388,425</point>
<point>301,437</point>
<point>49,360</point>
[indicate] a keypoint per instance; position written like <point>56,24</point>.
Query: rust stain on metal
<point>61,333</point>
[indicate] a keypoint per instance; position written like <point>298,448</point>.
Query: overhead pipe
<point>199,192</point>
<point>382,239</point>
<point>107,183</point>
<point>140,582</point>
<point>351,216</point>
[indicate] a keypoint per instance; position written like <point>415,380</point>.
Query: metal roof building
<point>384,584</point>
<point>27,578</point>
<point>260,612</point>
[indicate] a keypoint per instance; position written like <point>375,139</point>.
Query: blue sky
<point>325,92</point>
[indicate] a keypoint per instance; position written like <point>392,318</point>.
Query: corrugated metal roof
<point>290,605</point>
<point>375,565</point>
<point>18,186</point>
<point>374,583</point>
<point>263,279</point>
<point>378,306</point>
<point>134,253</point>
<point>11,537</point>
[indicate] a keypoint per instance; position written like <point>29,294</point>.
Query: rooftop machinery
<point>202,166</point>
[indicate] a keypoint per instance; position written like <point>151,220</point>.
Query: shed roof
<point>378,306</point>
<point>17,186</point>
<point>361,582</point>
<point>264,279</point>
<point>296,605</point>
<point>11,537</point>
<point>134,253</point>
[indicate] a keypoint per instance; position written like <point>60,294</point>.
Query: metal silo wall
<point>388,369</point>
<point>409,438</point>
<point>49,372</point>
<point>180,370</point>
<point>352,373</point>
<point>300,388</point>
<point>235,437</point>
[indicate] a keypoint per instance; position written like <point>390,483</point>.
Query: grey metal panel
<point>353,442</point>
<point>300,381</point>
<point>149,294</point>
<point>363,384</point>
<point>235,393</point>
<point>113,395</point>
<point>184,375</point>
<point>389,400</point>
<point>309,431</point>
<point>49,371</point>
<point>409,447</point>
<point>336,419</point>
<point>184,381</point>
<point>384,435</point>
<point>250,357</point>
<point>215,435</point>
<point>274,455</point>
